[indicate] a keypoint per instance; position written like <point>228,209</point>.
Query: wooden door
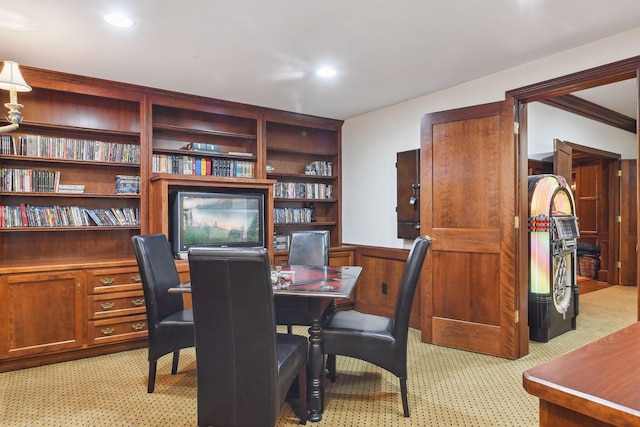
<point>562,159</point>
<point>471,297</point>
<point>628,223</point>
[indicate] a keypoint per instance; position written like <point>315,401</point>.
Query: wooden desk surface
<point>600,380</point>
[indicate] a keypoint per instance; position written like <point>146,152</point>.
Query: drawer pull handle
<point>137,326</point>
<point>107,331</point>
<point>107,280</point>
<point>137,302</point>
<point>136,278</point>
<point>107,305</point>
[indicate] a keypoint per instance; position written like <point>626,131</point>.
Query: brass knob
<point>107,280</point>
<point>107,305</point>
<point>138,301</point>
<point>107,331</point>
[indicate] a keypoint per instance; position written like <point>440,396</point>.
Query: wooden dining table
<point>304,296</point>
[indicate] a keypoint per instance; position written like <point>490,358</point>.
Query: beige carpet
<point>446,387</point>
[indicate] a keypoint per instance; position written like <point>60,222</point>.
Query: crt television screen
<point>218,219</point>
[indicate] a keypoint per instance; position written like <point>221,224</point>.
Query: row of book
<point>115,216</point>
<point>192,165</point>
<point>319,167</point>
<point>69,148</point>
<point>302,190</point>
<point>66,216</point>
<point>29,180</point>
<point>292,215</point>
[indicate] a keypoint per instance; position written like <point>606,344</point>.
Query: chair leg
<point>289,329</point>
<point>174,365</point>
<point>302,394</point>
<point>331,367</point>
<point>403,392</point>
<point>152,377</point>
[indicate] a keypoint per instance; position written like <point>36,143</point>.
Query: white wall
<point>371,141</point>
<point>546,123</point>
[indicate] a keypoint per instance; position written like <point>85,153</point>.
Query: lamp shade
<point>11,76</point>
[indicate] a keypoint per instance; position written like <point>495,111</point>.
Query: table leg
<point>315,371</point>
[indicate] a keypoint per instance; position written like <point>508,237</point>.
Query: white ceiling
<point>264,52</point>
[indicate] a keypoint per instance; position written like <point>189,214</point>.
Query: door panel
<point>562,159</point>
<point>628,223</point>
<point>468,186</point>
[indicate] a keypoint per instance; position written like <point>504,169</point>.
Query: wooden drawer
<point>113,280</point>
<point>115,304</point>
<point>119,329</point>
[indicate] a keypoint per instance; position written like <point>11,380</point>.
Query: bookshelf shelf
<point>89,228</point>
<point>299,176</point>
<point>196,153</point>
<point>306,224</point>
<point>51,160</point>
<point>69,195</point>
<point>293,200</point>
<point>292,151</point>
<point>179,130</point>
<point>30,126</point>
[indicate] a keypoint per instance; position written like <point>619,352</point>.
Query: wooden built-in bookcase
<point>71,289</point>
<point>303,156</point>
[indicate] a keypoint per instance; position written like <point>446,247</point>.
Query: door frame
<point>609,73</point>
<point>611,161</point>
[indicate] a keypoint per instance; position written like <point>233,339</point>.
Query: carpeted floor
<point>446,387</point>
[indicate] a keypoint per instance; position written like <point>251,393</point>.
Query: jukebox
<point>553,230</point>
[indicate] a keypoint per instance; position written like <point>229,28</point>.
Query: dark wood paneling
<point>379,282</point>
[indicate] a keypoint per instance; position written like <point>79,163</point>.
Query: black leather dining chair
<point>308,247</point>
<point>244,367</point>
<point>377,339</point>
<point>170,325</point>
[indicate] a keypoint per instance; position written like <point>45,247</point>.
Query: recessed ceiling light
<point>119,20</point>
<point>326,72</point>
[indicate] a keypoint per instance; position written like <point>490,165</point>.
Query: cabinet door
<point>408,194</point>
<point>41,313</point>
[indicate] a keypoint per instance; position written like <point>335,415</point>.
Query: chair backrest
<point>158,273</point>
<point>408,286</point>
<point>236,351</point>
<point>309,248</point>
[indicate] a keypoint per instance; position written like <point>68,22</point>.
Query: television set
<point>215,220</point>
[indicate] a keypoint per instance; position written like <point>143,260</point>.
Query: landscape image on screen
<point>220,221</point>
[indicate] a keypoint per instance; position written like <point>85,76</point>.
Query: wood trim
<point>65,356</point>
<point>597,76</point>
<point>582,107</point>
